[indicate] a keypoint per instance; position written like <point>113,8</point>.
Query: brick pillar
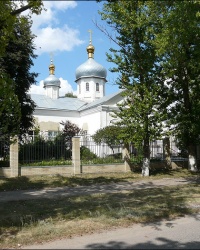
<point>76,155</point>
<point>14,161</point>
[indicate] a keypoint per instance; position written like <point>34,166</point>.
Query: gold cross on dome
<point>90,31</point>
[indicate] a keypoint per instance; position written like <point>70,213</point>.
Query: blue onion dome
<point>51,80</point>
<point>90,67</point>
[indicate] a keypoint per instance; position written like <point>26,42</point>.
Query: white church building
<point>90,111</point>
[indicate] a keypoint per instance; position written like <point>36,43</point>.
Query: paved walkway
<point>179,233</point>
<point>97,188</point>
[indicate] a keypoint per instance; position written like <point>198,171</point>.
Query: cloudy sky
<point>62,34</point>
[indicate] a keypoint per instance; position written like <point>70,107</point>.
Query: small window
<point>87,86</point>
<point>79,88</point>
<point>97,86</point>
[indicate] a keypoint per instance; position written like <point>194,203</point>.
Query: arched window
<point>87,86</point>
<point>97,86</point>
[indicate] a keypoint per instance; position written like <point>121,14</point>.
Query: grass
<point>29,221</point>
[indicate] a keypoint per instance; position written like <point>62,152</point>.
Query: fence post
<point>14,158</point>
<point>76,155</point>
<point>126,157</point>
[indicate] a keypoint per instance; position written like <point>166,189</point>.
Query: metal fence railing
<point>38,150</point>
<point>93,153</point>
<point>51,151</point>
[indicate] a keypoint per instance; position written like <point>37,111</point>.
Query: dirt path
<point>98,188</point>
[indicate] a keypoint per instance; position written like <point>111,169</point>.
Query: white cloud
<point>54,39</point>
<point>50,35</point>
<point>60,5</point>
<point>37,89</point>
<point>65,87</point>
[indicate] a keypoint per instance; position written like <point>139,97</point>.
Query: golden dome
<point>90,51</point>
<point>51,68</point>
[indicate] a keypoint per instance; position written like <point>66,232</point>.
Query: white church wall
<point>92,122</point>
<point>52,123</point>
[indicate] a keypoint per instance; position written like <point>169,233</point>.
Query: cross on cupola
<point>90,47</point>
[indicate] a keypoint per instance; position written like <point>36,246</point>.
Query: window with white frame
<point>87,86</point>
<point>97,86</point>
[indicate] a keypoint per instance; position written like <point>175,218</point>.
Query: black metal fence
<point>93,153</point>
<point>40,150</point>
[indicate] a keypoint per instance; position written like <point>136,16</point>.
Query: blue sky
<point>62,31</point>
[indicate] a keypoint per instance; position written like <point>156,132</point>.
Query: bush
<point>86,154</point>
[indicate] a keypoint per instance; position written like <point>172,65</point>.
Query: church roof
<point>62,103</point>
<point>73,104</point>
<point>103,101</point>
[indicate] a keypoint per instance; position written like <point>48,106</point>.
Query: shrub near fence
<point>39,150</point>
<point>4,151</point>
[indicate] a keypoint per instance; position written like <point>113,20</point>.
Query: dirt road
<point>96,188</point>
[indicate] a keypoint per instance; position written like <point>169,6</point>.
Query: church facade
<point>90,111</point>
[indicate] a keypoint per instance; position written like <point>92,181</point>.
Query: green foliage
<point>16,53</point>
<point>17,63</point>
<point>86,154</point>
<point>9,108</point>
<point>70,94</point>
<point>109,135</point>
<point>158,41</point>
<point>179,47</point>
<point>139,71</point>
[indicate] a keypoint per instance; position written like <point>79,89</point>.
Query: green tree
<point>178,44</point>
<point>16,53</point>
<point>70,94</point>
<point>139,73</point>
<point>9,13</point>
<point>109,135</point>
<point>9,108</point>
<point>17,64</point>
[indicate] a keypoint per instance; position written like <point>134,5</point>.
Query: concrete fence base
<point>75,169</point>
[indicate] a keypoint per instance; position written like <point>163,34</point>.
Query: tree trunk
<point>192,159</point>
<point>146,159</point>
<point>166,152</point>
<point>145,167</point>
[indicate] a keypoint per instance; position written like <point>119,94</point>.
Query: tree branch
<point>20,10</point>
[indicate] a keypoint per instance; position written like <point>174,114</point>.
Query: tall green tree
<point>139,73</point>
<point>16,53</point>
<point>17,64</point>
<point>178,45</point>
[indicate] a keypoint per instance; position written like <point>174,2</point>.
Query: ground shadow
<point>164,243</point>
